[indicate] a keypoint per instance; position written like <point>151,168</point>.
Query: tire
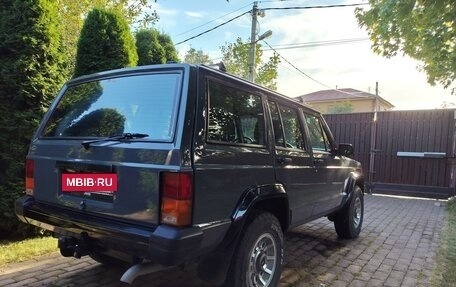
<point>349,220</point>
<point>259,257</point>
<point>107,260</point>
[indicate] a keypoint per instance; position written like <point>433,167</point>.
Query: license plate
<point>92,182</point>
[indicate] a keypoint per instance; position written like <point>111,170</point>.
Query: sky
<point>321,67</point>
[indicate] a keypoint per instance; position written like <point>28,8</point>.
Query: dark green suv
<point>163,165</point>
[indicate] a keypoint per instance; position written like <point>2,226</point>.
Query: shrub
<point>105,43</point>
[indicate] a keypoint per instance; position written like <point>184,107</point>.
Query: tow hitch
<point>70,246</point>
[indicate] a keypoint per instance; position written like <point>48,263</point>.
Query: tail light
<point>29,176</point>
<point>177,195</point>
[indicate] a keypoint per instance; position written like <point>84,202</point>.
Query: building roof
<point>340,94</point>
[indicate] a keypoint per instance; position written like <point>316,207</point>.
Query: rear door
<point>147,103</point>
<point>293,161</point>
<point>232,154</point>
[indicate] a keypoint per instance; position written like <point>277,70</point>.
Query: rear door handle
<point>284,160</point>
<point>318,160</point>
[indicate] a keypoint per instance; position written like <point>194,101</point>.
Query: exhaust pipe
<point>141,269</point>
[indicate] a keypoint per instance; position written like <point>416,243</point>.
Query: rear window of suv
<point>131,104</point>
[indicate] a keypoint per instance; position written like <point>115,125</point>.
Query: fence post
<point>452,158</point>
<point>373,138</point>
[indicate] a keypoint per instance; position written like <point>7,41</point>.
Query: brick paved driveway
<point>396,248</point>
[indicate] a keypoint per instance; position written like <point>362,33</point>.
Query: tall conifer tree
<point>105,43</point>
<point>30,75</point>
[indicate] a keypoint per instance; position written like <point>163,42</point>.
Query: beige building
<point>345,101</point>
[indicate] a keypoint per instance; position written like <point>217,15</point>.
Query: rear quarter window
<point>131,104</point>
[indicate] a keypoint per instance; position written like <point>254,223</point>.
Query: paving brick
<point>409,282</point>
<point>327,277</point>
<point>44,275</point>
<point>48,281</point>
<point>22,283</point>
<point>400,267</point>
<point>319,270</point>
<point>6,281</point>
<point>369,268</point>
<point>77,266</point>
<point>380,275</point>
<point>385,268</point>
<point>354,269</point>
<point>375,283</point>
<point>290,276</point>
<point>363,276</point>
<point>339,283</point>
<point>60,266</point>
<point>366,256</point>
<point>397,275</point>
<point>392,282</point>
<point>328,263</point>
<point>357,283</point>
<point>347,277</point>
<point>26,275</point>
<point>344,263</point>
<point>359,262</point>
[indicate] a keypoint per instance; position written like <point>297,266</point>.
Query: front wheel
<point>349,220</point>
<point>258,262</point>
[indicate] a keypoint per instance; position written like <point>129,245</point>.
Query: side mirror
<point>345,150</point>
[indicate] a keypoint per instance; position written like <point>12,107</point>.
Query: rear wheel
<point>349,220</point>
<point>258,262</point>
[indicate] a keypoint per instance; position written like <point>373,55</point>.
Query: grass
<point>445,274</point>
<point>26,249</point>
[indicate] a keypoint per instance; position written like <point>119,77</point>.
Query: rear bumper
<point>161,244</point>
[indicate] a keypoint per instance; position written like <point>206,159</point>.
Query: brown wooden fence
<point>403,152</point>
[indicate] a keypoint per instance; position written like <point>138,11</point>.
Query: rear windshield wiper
<point>124,136</point>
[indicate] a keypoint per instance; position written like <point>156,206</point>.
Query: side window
<point>287,128</point>
<point>277,124</point>
<point>292,128</point>
<point>235,116</point>
<point>318,137</point>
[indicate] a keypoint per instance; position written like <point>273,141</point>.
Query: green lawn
<point>445,274</point>
<point>25,249</point>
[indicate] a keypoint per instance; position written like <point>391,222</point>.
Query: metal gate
<point>403,152</point>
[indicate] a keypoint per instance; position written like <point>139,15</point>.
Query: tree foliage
<point>167,44</point>
<point>150,51</point>
<point>105,43</point>
<point>236,59</point>
<point>72,13</point>
<point>154,47</point>
<point>99,123</point>
<point>422,29</point>
<point>341,108</point>
<point>31,73</point>
<point>194,56</point>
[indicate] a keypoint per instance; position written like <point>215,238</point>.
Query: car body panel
<point>221,133</point>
